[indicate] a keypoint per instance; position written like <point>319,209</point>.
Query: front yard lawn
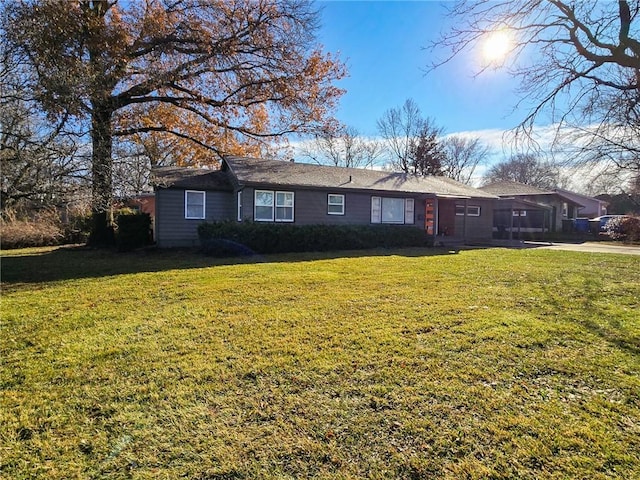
<point>377,364</point>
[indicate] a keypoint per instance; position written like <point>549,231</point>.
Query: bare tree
<point>343,148</point>
<point>40,163</point>
<point>131,171</point>
<point>578,64</point>
<point>221,77</point>
<point>614,142</point>
<point>527,169</point>
<point>411,141</point>
<point>399,127</point>
<point>37,165</point>
<point>621,187</point>
<point>462,156</point>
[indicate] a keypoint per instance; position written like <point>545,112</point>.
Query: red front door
<point>446,217</point>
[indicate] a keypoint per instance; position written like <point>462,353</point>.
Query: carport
<point>510,208</point>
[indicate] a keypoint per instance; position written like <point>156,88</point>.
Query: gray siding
<point>173,230</point>
<point>478,228</point>
<point>310,206</point>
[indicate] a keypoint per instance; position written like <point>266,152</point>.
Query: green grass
<point>379,364</point>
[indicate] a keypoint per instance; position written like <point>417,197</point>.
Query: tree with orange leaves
<point>207,78</point>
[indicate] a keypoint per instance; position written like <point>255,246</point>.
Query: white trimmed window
<point>392,210</point>
<point>408,210</point>
<point>263,210</point>
<point>472,210</point>
<point>284,206</point>
<point>335,204</point>
<point>519,213</point>
<point>194,205</point>
<point>270,206</point>
<point>239,217</point>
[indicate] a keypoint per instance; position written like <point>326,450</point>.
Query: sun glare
<point>496,47</point>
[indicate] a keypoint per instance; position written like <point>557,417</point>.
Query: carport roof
<point>508,189</point>
<point>508,204</point>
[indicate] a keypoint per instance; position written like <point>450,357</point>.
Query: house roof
<point>506,189</point>
<point>257,171</point>
<point>194,178</point>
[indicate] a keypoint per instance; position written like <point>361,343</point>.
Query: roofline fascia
<point>354,189</point>
<point>340,188</point>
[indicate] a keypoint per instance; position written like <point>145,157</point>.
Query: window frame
<point>395,201</point>
<point>274,206</point>
<point>239,205</point>
<point>255,205</point>
<point>519,213</point>
<point>333,204</point>
<point>409,212</point>
<point>377,210</point>
<point>477,212</point>
<point>186,205</point>
<point>292,207</point>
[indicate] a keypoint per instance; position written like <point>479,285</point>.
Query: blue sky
<point>383,45</point>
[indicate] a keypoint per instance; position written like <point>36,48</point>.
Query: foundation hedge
<point>233,239</point>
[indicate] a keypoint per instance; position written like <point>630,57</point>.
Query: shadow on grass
<point>596,319</point>
<point>76,262</point>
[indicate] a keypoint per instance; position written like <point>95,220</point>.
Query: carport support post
<point>511,224</point>
<point>464,221</point>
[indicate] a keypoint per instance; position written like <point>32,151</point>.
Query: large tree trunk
<point>102,233</point>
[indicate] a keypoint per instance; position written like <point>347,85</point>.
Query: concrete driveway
<point>593,247</point>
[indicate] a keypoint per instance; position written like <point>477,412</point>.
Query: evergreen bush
<point>223,238</point>
<point>133,230</point>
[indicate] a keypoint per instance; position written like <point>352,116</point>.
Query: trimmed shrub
<point>133,230</point>
<point>283,238</point>
<point>625,228</point>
